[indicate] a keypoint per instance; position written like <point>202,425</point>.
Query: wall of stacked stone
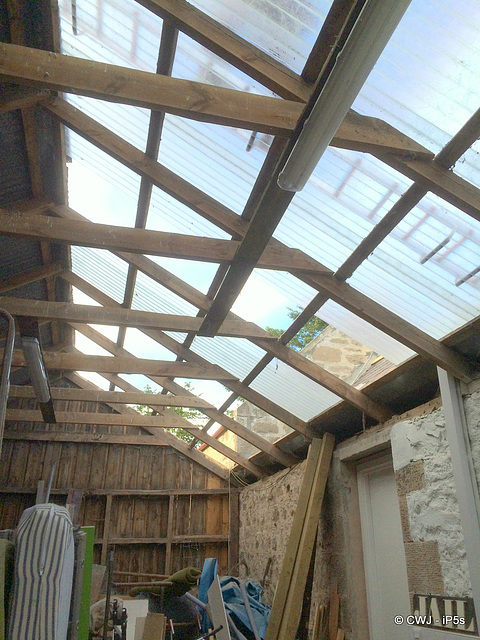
<point>433,537</point>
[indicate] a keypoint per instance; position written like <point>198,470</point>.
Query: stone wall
<point>433,537</point>
<point>332,350</point>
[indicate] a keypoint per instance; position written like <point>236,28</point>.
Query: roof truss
<point>251,245</point>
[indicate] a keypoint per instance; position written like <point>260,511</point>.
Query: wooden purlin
<point>124,364</point>
<point>70,312</point>
<point>113,397</point>
<point>113,83</point>
<point>137,240</point>
<point>165,60</point>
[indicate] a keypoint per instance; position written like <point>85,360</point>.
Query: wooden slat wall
<point>103,471</point>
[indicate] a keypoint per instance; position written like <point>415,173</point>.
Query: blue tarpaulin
<point>234,603</point>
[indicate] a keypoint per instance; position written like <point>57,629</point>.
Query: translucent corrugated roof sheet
<point>425,84</point>
<point>285,29</point>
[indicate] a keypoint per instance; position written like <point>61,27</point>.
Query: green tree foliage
<point>190,414</point>
<point>306,334</point>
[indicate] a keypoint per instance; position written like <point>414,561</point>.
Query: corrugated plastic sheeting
<point>195,62</point>
<point>102,269</point>
<point>152,296</point>
<point>197,274</point>
<point>330,216</point>
<point>468,167</point>
<point>293,391</point>
<point>118,176</point>
<point>237,355</point>
<point>168,214</point>
<point>130,123</point>
<point>285,29</point>
<point>211,157</point>
<point>425,295</point>
<point>142,346</point>
<point>426,81</point>
<point>126,34</point>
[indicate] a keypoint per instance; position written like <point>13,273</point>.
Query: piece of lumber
<point>186,98</point>
<point>241,54</point>
<point>124,364</point>
<point>102,419</point>
<point>288,598</point>
<point>88,314</point>
<point>32,275</point>
<point>114,397</point>
<point>143,241</point>
<point>333,611</point>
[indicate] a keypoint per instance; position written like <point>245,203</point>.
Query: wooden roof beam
<point>186,98</point>
<point>160,243</point>
<point>102,419</point>
<point>165,60</point>
<point>66,311</point>
<point>155,401</point>
<point>241,54</point>
<point>124,364</point>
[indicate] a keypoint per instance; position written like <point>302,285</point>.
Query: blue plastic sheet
<point>235,606</point>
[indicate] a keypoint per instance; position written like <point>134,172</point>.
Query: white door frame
<point>364,471</point>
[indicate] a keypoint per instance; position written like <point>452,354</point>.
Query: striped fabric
<point>44,564</point>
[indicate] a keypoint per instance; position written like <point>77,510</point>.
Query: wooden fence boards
<point>102,471</point>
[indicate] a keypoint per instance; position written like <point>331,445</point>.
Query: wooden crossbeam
<point>234,426</point>
<point>32,275</point>
<point>169,245</point>
<point>158,436</point>
<point>167,421</point>
<point>115,397</point>
<point>124,364</point>
<point>186,98</point>
<point>70,312</point>
<point>231,47</point>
